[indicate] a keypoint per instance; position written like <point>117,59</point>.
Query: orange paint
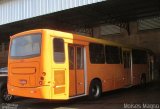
<point>40,75</point>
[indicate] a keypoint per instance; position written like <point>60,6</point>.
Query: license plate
<point>23,82</point>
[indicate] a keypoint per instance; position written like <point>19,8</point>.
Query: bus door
<point>59,78</point>
<point>76,70</point>
<point>127,66</point>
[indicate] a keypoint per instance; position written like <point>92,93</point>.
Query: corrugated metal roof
<point>147,24</point>
<point>110,29</point>
<point>15,10</point>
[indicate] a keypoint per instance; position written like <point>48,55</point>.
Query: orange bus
<point>50,64</point>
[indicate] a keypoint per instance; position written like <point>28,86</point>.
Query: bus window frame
<point>54,52</point>
<point>119,54</point>
<point>28,56</point>
<point>90,57</point>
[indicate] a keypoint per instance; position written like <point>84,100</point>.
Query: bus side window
<point>80,58</point>
<point>96,53</point>
<point>58,45</point>
<point>71,57</point>
<point>113,54</point>
<point>139,56</point>
<point>126,59</point>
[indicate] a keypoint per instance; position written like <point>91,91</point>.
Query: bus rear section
<point>26,76</point>
<point>38,65</point>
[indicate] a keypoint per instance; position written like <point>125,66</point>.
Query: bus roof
<point>77,37</point>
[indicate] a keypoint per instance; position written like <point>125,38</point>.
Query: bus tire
<point>95,89</point>
<point>5,96</point>
<point>143,81</point>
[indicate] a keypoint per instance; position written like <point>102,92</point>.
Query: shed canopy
<point>118,12</point>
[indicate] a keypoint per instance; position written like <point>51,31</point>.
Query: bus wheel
<point>95,89</point>
<point>143,81</point>
<point>5,96</point>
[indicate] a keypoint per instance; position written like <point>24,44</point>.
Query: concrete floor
<point>134,98</point>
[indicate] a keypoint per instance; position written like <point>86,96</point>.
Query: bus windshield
<point>26,46</point>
